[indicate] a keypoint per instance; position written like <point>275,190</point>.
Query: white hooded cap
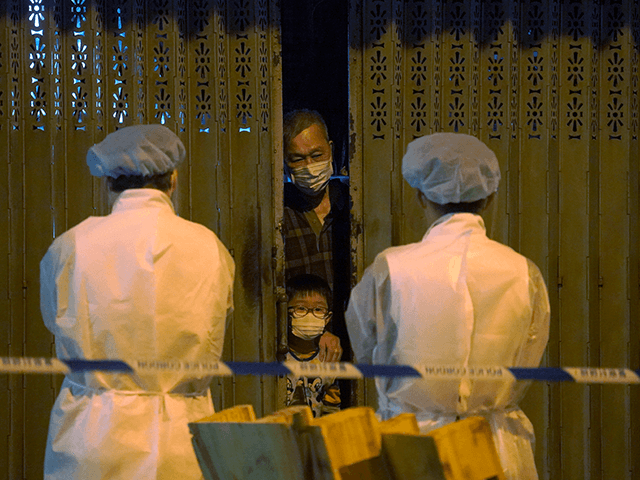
<point>136,150</point>
<point>451,168</point>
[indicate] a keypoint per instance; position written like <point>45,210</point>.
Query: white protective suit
<point>140,283</point>
<point>455,298</point>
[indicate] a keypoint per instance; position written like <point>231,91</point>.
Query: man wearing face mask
<point>316,219</point>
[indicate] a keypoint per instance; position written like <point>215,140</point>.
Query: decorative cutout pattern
<point>554,98</point>
<point>378,67</point>
<point>79,101</point>
<point>161,83</point>
<point>575,75</point>
<point>263,61</point>
<point>222,87</point>
<point>37,66</point>
<point>56,56</point>
<point>398,56</point>
<point>536,70</point>
<point>119,13</point>
<point>437,66</point>
<point>457,74</point>
<point>379,63</point>
<point>615,73</point>
<point>379,20</point>
<point>140,49</point>
<point>418,68</point>
<point>635,58</point>
<point>494,70</point>
<point>180,68</point>
<point>244,82</point>
<point>98,65</point>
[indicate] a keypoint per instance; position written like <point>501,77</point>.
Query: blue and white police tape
<point>344,370</point>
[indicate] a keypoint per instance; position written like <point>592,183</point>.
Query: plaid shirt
<point>306,251</point>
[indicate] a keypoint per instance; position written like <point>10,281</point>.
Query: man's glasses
<point>300,311</point>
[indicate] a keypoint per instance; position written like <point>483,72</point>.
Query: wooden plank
<point>575,64</point>
<point>160,60</point>
<point>460,446</point>
<point>634,292</point>
<point>245,214</point>
<point>396,112</point>
<point>547,420</point>
<point>377,103</point>
<point>593,204</point>
<point>179,75</point>
<point>249,451</point>
<point>417,88</point>
<point>634,250</point>
<point>41,130</point>
<point>456,73</point>
<point>18,88</point>
<point>536,91</point>
<point>377,136</point>
<point>202,154</point>
<point>5,243</point>
<point>206,155</point>
<point>364,391</point>
<point>99,105</point>
<point>356,113</point>
<point>410,456</point>
<point>375,468</point>
<point>120,102</point>
<point>225,386</point>
<point>495,108</point>
<point>270,193</point>
<point>512,183</point>
<point>37,340</point>
<point>614,240</point>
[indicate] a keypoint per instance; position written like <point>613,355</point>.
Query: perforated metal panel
<point>552,88</point>
<point>72,71</point>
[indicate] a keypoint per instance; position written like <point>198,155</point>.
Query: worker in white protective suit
<point>139,283</point>
<point>455,298</point>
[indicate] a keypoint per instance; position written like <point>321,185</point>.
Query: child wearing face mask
<point>309,312</point>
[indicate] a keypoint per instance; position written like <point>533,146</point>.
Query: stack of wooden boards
<point>351,444</point>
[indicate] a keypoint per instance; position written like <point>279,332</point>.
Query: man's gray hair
<point>299,120</point>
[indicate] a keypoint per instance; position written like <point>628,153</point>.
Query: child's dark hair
<point>306,284</point>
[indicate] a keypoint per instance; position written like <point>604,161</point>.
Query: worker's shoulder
<point>67,238</point>
<point>182,227</point>
<point>506,259</point>
<point>399,250</point>
<point>506,251</point>
<point>64,244</point>
<point>382,259</point>
<point>534,270</point>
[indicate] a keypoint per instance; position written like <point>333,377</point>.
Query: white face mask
<point>307,327</point>
<point>312,178</point>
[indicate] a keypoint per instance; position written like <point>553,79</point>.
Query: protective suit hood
<point>451,168</point>
<point>136,150</point>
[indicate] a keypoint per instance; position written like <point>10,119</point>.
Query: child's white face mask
<point>307,327</point>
